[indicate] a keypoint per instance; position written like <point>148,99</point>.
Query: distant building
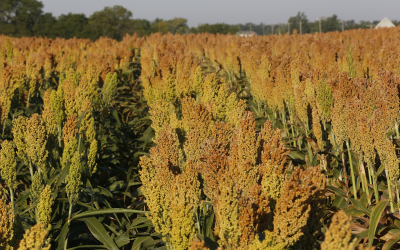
<point>246,33</point>
<point>385,23</point>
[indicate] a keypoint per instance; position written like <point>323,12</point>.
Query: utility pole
<point>263,27</point>
<point>288,25</point>
<point>320,19</point>
<point>250,27</point>
<point>300,27</point>
<point>342,25</point>
<point>272,28</point>
<point>279,28</point>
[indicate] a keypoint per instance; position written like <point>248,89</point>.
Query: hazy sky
<point>235,11</point>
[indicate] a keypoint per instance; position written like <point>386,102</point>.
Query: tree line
<point>20,18</point>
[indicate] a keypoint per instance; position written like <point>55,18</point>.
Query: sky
<point>235,11</point>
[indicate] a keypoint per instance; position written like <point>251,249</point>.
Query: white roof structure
<point>246,33</point>
<point>385,23</point>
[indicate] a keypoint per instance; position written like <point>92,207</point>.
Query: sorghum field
<point>201,142</point>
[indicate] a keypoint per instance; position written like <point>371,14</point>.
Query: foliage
<point>201,141</point>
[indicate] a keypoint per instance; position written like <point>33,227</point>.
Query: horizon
<point>236,13</point>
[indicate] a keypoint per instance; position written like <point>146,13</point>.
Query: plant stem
<point>397,194</point>
<point>69,211</point>
<point>365,181</point>
<point>198,222</point>
<point>59,136</point>
<point>12,198</point>
<point>31,170</point>
<point>353,179</point>
<point>374,182</point>
<point>4,128</point>
<point>345,175</point>
<point>390,192</point>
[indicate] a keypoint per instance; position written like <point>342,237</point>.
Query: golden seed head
<point>36,141</point>
<point>8,164</point>
<point>57,105</point>
<point>69,150</point>
<point>324,101</point>
<point>338,235</point>
<point>6,226</point>
<point>185,197</point>
<point>269,242</point>
<point>44,207</point>
<point>317,129</point>
<point>198,244</point>
<point>70,128</point>
<point>74,177</point>
<point>87,123</point>
<point>36,188</point>
<point>69,97</point>
<point>109,90</point>
<point>35,238</point>
<point>197,80</point>
<point>301,197</point>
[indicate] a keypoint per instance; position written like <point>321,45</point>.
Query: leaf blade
<point>375,216</point>
<point>100,233</point>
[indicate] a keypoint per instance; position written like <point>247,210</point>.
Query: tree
<point>295,23</point>
<point>330,24</point>
<point>20,17</point>
<point>159,25</point>
<point>141,26</point>
<point>73,25</point>
<point>178,25</point>
<point>47,26</point>
<point>7,14</point>
<point>113,22</point>
<point>27,17</point>
<point>218,28</point>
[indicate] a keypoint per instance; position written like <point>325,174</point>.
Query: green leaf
<point>100,233</point>
<point>360,206</point>
<point>389,244</point>
<point>139,221</point>
<point>339,202</point>
<point>87,246</point>
<point>375,216</point>
<point>62,237</point>
<point>362,235</point>
<point>209,230</point>
<point>296,155</point>
<point>380,170</point>
<point>138,242</point>
<point>108,211</point>
<point>397,223</point>
<point>354,212</point>
<point>115,114</point>
<point>122,240</point>
<point>337,191</point>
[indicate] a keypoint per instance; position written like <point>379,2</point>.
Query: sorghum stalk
<point>372,173</point>
<point>390,192</point>
<point>397,195</point>
<point>353,179</point>
<point>345,175</point>
<point>31,170</point>
<point>284,124</point>
<point>365,181</point>
<point>12,198</point>
<point>59,136</point>
<point>397,130</point>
